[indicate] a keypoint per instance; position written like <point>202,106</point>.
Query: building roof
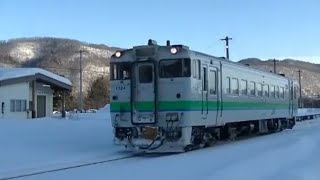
<point>17,75</point>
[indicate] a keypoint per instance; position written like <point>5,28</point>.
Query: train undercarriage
<point>182,139</point>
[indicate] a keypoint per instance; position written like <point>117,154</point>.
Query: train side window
<point>199,68</point>
<point>244,87</point>
<point>281,92</point>
<point>277,92</point>
<point>252,88</point>
<point>228,86</point>
<point>272,91</point>
<point>259,89</point>
<point>266,90</point>
<point>235,86</point>
<point>194,68</point>
<point>295,92</point>
<point>205,80</point>
<point>212,82</point>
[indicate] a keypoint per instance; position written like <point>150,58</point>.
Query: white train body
<point>172,99</point>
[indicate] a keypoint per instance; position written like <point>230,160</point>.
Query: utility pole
<point>80,93</point>
<point>274,66</point>
<point>227,45</point>
<point>300,97</point>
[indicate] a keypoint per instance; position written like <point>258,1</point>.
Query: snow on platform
<point>43,144</point>
<point>40,144</point>
<point>291,154</point>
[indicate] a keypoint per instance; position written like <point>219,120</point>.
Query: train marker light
<point>118,54</point>
<point>173,50</point>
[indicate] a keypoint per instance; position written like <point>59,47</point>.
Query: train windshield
<point>171,68</point>
<point>120,71</point>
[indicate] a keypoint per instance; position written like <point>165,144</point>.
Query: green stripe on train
<point>192,105</point>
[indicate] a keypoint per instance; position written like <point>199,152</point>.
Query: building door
<point>41,106</point>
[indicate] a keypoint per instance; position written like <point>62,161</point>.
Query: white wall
<point>16,91</point>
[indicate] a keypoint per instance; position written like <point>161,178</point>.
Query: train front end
<point>147,82</point>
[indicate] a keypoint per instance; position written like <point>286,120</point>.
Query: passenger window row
<point>251,88</point>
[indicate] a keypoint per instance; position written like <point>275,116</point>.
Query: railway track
<point>79,165</point>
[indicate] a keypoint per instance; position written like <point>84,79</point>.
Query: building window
<point>235,86</point>
<point>244,87</point>
<point>18,105</point>
<point>252,88</point>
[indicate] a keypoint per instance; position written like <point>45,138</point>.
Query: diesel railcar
<point>170,98</point>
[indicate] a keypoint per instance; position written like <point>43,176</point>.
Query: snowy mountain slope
<point>59,56</point>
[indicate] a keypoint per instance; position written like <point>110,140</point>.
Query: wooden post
<point>33,104</point>
<point>63,104</point>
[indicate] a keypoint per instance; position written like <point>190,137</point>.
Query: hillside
<point>59,56</point>
<point>310,75</point>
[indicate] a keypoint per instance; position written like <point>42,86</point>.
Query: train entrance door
<point>290,94</point>
<point>143,99</point>
<point>204,104</point>
<point>213,94</point>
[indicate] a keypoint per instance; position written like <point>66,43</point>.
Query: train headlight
<point>118,54</point>
<point>173,50</point>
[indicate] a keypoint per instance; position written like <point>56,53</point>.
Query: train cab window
<point>266,90</point>
<point>228,86</point>
<point>244,87</point>
<point>252,88</point>
<point>281,92</point>
<point>272,91</point>
<point>259,89</point>
<point>277,92</point>
<point>235,86</point>
<point>145,74</point>
<point>120,71</point>
<point>212,82</point>
<point>172,68</point>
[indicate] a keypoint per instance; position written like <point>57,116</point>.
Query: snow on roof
<point>10,73</point>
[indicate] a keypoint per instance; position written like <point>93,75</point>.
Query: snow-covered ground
<point>43,144</point>
<point>46,143</point>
